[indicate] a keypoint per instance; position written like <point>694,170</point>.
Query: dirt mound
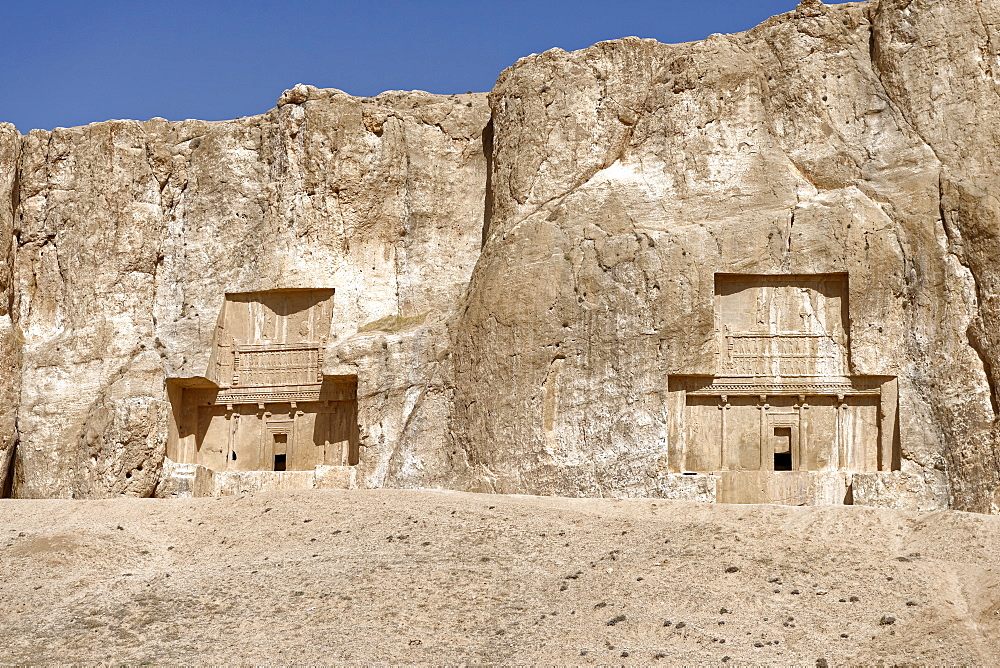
<point>445,577</point>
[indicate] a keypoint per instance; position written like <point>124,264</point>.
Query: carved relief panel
<point>782,325</point>
<point>781,397</point>
<point>271,338</point>
<point>266,404</point>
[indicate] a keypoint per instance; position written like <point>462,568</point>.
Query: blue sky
<point>72,62</point>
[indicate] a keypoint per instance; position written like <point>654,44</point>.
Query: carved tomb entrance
<point>265,404</point>
<point>781,397</point>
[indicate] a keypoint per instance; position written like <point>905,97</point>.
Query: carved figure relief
<point>780,398</point>
<point>782,325</point>
<point>265,403</point>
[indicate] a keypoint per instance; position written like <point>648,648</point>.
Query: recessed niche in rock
<point>781,397</point>
<point>265,404</point>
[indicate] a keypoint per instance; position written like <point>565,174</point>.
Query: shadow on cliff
<point>488,199</point>
<point>7,484</point>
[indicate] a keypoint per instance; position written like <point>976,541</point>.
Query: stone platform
<point>194,480</point>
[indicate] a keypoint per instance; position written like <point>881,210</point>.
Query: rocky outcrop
<point>129,235</point>
<point>940,65</point>
<point>626,175</point>
<point>10,362</point>
<point>518,277</point>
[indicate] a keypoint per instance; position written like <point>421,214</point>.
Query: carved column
<point>297,439</point>
<point>232,420</point>
<point>236,367</point>
<point>803,431</point>
<point>267,443</point>
<point>841,435</point>
<point>766,446</point>
<point>888,408</point>
<point>723,450</point>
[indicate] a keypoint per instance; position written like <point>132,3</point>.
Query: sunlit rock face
<point>128,236</point>
<point>754,268</point>
<point>853,139</point>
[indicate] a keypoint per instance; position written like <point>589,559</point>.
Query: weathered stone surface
<point>517,278</point>
<point>180,481</point>
<point>10,367</point>
<point>130,234</point>
<point>626,175</point>
<point>793,488</point>
<point>901,490</point>
<point>939,63</point>
<point>686,487</point>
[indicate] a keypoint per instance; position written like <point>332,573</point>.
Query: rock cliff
<point>519,276</point>
<point>128,236</point>
<point>846,138</point>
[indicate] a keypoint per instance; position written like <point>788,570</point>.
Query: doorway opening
<point>782,448</point>
<point>280,451</point>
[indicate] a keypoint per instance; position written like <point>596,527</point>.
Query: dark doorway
<point>280,451</point>
<point>782,448</point>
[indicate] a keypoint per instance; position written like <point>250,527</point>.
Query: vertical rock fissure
<point>488,199</point>
<point>974,332</point>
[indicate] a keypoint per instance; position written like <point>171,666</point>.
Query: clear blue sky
<point>72,62</point>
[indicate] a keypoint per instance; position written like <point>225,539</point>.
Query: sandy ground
<point>445,577</point>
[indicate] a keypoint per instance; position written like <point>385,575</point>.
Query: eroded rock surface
<point>628,174</point>
<point>517,278</point>
<point>129,235</point>
<point>10,358</point>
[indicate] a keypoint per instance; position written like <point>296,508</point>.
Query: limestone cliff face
<point>10,367</point>
<point>128,236</point>
<point>940,65</point>
<point>850,138</point>
<point>516,277</point>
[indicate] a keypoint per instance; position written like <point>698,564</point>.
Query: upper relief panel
<point>782,325</point>
<point>277,317</point>
<point>269,338</point>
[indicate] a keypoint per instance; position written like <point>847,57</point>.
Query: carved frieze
<point>276,365</point>
<point>782,325</point>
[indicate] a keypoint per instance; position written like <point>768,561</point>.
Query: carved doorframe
<point>782,418</point>
<point>275,427</point>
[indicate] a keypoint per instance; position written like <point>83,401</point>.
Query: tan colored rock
<point>131,234</point>
<point>794,488</point>
<point>900,490</point>
<point>627,175</point>
<point>939,63</point>
<point>10,369</point>
<point>765,259</point>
